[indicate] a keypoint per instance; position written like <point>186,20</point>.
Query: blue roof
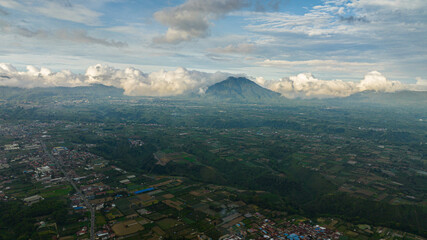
<point>144,190</point>
<point>293,236</point>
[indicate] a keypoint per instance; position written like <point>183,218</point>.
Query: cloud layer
<point>305,85</point>
<point>183,81</point>
<point>131,80</point>
<point>161,83</point>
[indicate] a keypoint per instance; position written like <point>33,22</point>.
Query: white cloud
<point>182,81</point>
<point>420,85</point>
<point>377,82</point>
<point>421,82</point>
<point>305,85</point>
<point>192,19</point>
<point>37,77</point>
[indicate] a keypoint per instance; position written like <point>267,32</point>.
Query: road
<point>59,164</point>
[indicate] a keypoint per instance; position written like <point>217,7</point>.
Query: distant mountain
<point>400,98</point>
<point>93,92</point>
<point>240,89</point>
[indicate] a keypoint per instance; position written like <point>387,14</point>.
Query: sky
<point>169,47</point>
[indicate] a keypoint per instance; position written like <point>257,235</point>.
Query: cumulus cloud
<point>421,82</point>
<point>305,85</point>
<point>377,82</point>
<point>420,85</point>
<point>182,81</point>
<point>192,19</point>
<point>37,77</point>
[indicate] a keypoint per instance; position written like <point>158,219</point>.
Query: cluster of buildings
<point>96,190</point>
<point>265,228</point>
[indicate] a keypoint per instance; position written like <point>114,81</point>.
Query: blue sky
<point>331,39</point>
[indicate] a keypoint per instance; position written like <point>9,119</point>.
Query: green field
<point>56,192</point>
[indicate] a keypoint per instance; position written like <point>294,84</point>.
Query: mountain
<point>240,89</point>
